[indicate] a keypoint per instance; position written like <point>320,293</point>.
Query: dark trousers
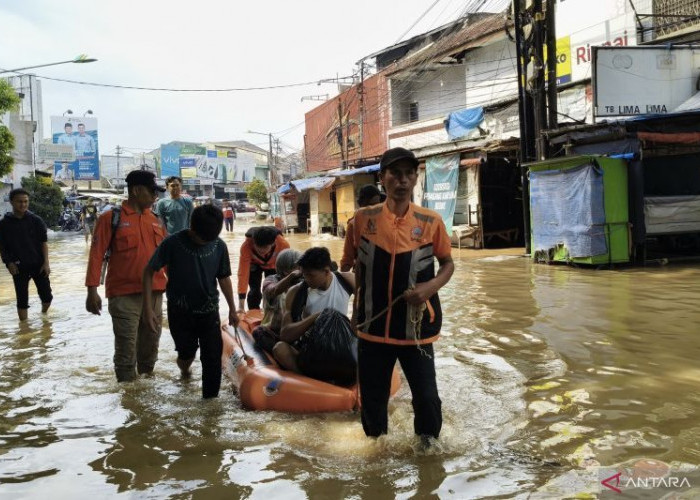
<point>21,281</point>
<point>376,363</point>
<point>255,285</point>
<point>229,224</point>
<point>191,331</point>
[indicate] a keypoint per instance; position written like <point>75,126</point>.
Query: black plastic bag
<point>329,349</point>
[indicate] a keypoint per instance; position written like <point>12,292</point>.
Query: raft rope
<point>415,316</point>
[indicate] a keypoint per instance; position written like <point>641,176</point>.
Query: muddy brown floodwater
<point>545,373</point>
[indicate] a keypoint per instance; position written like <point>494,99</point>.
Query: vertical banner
<point>441,180</point>
<point>169,160</point>
<point>81,134</point>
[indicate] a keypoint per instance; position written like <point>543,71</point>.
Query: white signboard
<point>56,152</point>
<point>643,80</point>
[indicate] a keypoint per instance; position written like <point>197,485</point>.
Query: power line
<point>165,89</point>
<point>420,18</point>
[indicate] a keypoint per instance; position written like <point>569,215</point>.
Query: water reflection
<point>543,371</point>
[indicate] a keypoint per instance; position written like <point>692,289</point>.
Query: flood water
<point>545,373</point>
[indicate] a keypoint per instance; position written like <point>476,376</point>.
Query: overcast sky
<point>201,44</point>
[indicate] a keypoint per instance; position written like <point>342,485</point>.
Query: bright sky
<point>202,44</point>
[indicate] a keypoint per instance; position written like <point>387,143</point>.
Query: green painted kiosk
<point>579,210</point>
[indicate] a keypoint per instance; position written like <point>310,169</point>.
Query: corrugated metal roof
<point>468,37</point>
<point>300,185</point>
<point>240,144</point>
<point>354,171</point>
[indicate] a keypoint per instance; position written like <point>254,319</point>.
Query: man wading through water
<point>25,252</point>
<point>132,234</point>
<point>397,309</point>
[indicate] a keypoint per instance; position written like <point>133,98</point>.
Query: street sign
<point>56,152</point>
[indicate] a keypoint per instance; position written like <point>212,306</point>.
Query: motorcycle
<point>69,221</point>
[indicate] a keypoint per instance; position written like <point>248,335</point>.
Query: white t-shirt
<point>334,297</point>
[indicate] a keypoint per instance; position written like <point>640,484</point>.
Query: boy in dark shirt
<point>25,252</point>
<point>195,258</point>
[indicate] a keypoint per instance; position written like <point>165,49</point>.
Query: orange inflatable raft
<point>263,385</point>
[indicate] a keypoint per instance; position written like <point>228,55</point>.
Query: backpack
<point>300,298</point>
<point>116,216</point>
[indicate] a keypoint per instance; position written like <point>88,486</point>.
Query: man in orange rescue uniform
<point>396,244</point>
<point>133,235</point>
<point>258,257</point>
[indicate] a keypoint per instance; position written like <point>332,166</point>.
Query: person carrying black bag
<point>316,338</point>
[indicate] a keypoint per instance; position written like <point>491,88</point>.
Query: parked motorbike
<point>69,221</point>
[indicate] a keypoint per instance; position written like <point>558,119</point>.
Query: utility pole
<point>340,133</point>
<point>31,117</point>
<point>119,152</point>
<point>527,137</point>
<point>537,109</point>
<point>270,171</point>
<point>538,89</point>
<point>553,119</point>
<point>361,91</point>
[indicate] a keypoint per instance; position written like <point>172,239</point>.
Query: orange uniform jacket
<point>394,254</point>
<point>248,257</point>
<point>136,239</point>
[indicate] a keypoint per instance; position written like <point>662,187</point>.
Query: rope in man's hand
<point>415,316</point>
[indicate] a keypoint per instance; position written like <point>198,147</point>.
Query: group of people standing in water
<point>387,270</point>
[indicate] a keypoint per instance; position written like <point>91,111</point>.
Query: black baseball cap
<point>143,178</point>
<point>395,155</point>
<point>366,193</point>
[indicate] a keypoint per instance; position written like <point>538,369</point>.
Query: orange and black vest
<point>393,255</point>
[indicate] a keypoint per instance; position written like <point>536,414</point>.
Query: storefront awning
<point>300,185</point>
<point>369,169</point>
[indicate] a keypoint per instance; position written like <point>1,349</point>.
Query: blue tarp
<point>369,169</point>
<point>304,184</point>
<point>567,209</point>
<point>459,123</point>
<point>623,156</point>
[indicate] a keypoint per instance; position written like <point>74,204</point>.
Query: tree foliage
<point>9,100</point>
<point>45,200</point>
<point>257,192</point>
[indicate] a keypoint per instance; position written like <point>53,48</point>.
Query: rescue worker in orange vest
<point>397,310</point>
<point>132,242</point>
<point>258,256</point>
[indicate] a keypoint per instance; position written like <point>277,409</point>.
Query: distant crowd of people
<point>141,249</point>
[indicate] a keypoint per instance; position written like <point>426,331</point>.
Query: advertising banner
<point>81,134</point>
<point>193,150</point>
<point>225,168</point>
<point>441,179</point>
<point>188,172</point>
<point>56,152</point>
<point>169,160</point>
<point>582,24</point>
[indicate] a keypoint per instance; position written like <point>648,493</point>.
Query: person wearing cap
<point>369,195</point>
<point>396,244</point>
<point>132,244</point>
